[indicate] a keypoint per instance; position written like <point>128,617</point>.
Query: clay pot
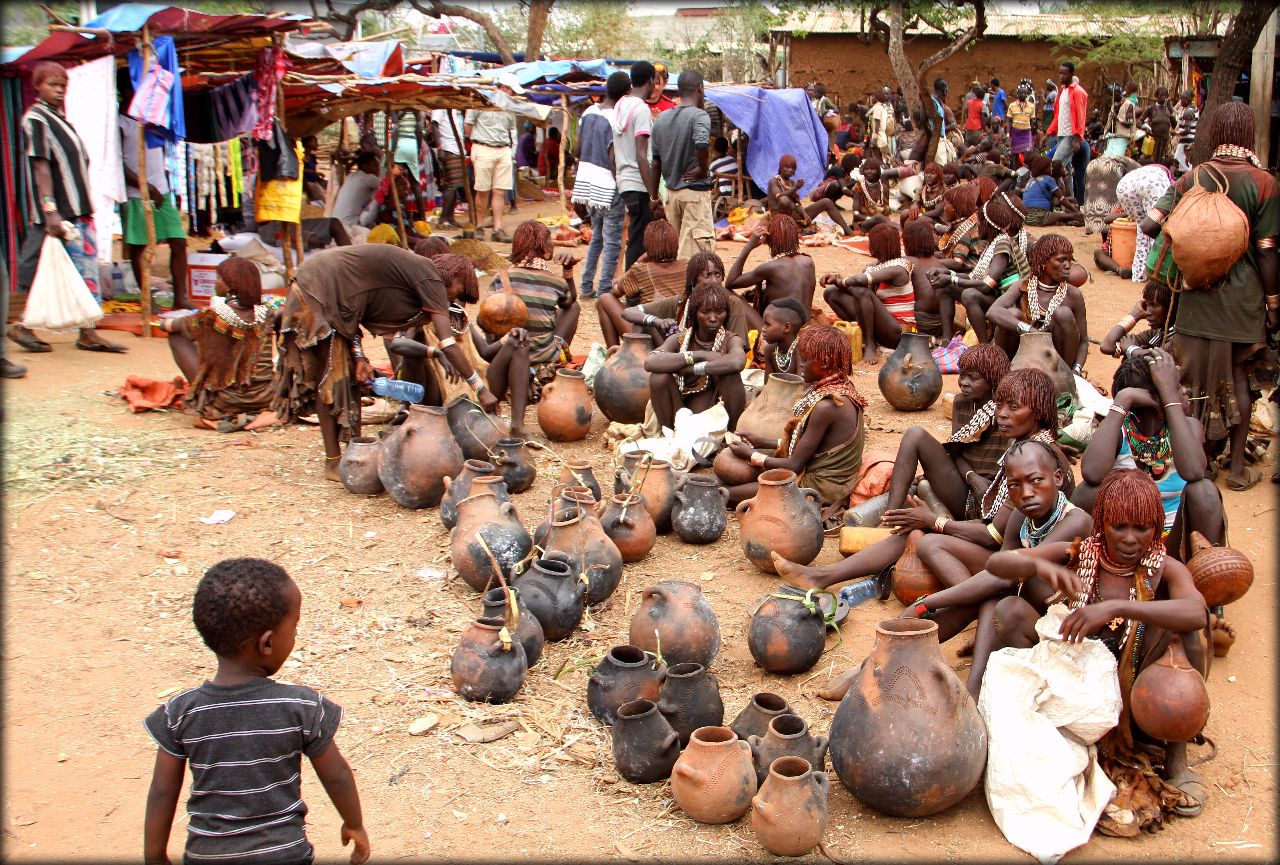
<point>563,499</point>
<point>626,673</point>
<point>713,781</point>
<point>690,698</point>
<point>1036,351</point>
<point>783,517</point>
<point>788,736</point>
<point>564,410</point>
<point>755,717</point>
<point>514,466</point>
<point>500,311</point>
<point>485,671</point>
<point>786,636</point>
<point>527,630</point>
<point>698,515</point>
<point>475,432</point>
<point>358,467</point>
<point>910,379</point>
<point>484,515</point>
<point>417,456</point>
<point>1169,700</point>
<point>911,579</point>
<point>658,486</point>
<point>553,595</point>
<point>768,413</point>
<point>907,739</point>
<point>578,473</point>
<point>632,532</point>
<point>734,472</point>
<point>621,385</point>
<point>590,552</point>
<point>789,814</point>
<point>677,613</point>
<point>645,748</point>
<point>1222,574</point>
<point>458,487</point>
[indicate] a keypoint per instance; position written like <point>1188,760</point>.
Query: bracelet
<point>700,368</point>
<point>995,533</point>
<point>921,611</point>
<point>1155,216</point>
<point>1128,352</point>
<point>1023,327</point>
<point>756,459</point>
<point>990,281</point>
<point>1273,301</point>
<point>474,380</point>
<point>446,342</point>
<point>1077,368</point>
<point>1126,324</point>
<point>1267,243</point>
<point>954,278</point>
<point>1172,404</point>
<point>966,475</point>
<point>648,319</point>
<point>940,524</point>
<point>1118,409</point>
<point>689,359</point>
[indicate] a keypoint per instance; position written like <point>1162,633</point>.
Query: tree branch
<point>437,9</point>
<point>975,32</point>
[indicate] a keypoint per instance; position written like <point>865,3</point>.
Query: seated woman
<point>1045,301</point>
<point>655,275</point>
<point>702,364</point>
<point>929,202</point>
<point>1153,308</point>
<point>869,197</point>
<point>661,318</point>
<point>935,310</point>
<point>777,341</point>
<point>225,352</point>
<point>526,359</point>
<point>788,272</point>
<point>1125,591</point>
<point>1046,203</point>
<point>881,298</point>
<point>823,441</point>
<point>783,197</point>
<point>959,241</point>
<point>1102,259</point>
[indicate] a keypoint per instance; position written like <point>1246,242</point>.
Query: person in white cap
<point>490,135</point>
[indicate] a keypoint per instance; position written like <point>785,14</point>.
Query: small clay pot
<point>658,486</point>
<point>910,379</point>
<point>564,409</point>
<point>483,669</point>
<point>788,736</point>
<point>458,487</point>
<point>358,467</point>
<point>677,613</point>
<point>626,673</point>
<point>754,718</point>
<point>565,498</point>
<point>789,814</point>
<point>581,538</point>
<point>483,516</point>
<point>734,472</point>
<point>787,637</point>
<point>578,473</point>
<point>553,595</point>
<point>912,580</point>
<point>713,781</point>
<point>782,517</point>
<point>475,431</point>
<point>632,531</point>
<point>1169,700</point>
<point>417,456</point>
<point>1222,574</point>
<point>645,748</point>
<point>698,514</point>
<point>514,465</point>
<point>527,630</point>
<point>689,699</point>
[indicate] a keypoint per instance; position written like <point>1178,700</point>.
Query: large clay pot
<point>788,736</point>
<point>910,379</point>
<point>475,431</point>
<point>500,311</point>
<point>697,514</point>
<point>755,717</point>
<point>358,467</point>
<point>484,670</point>
<point>564,410</point>
<point>578,473</point>
<point>621,385</point>
<point>907,739</point>
<point>514,466</point>
<point>417,456</point>
<point>483,515</point>
<point>789,814</point>
<point>657,483</point>
<point>527,630</point>
<point>676,613</point>
<point>632,531</point>
<point>690,698</point>
<point>1222,574</point>
<point>580,537</point>
<point>786,635</point>
<point>734,472</point>
<point>713,781</point>
<point>769,412</point>
<point>553,593</point>
<point>626,673</point>
<point>645,748</point>
<point>1169,700</point>
<point>1036,351</point>
<point>458,487</point>
<point>912,580</point>
<point>781,517</point>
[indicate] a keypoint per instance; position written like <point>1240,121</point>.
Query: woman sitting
<point>929,202</point>
<point>661,318</point>
<point>881,299</point>
<point>869,197</point>
<point>1153,308</point>
<point>787,272</point>
<point>1045,301</point>
<point>656,274</point>
<point>959,242</point>
<point>777,341</point>
<point>1046,203</point>
<point>935,309</point>
<point>783,197</point>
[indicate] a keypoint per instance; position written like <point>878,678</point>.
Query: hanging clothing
<point>271,68</point>
<point>174,124</point>
<point>91,108</point>
<point>224,112</point>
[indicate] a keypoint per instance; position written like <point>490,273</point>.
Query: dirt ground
<point>103,551</point>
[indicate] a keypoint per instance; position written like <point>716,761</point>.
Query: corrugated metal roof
<point>828,22</point>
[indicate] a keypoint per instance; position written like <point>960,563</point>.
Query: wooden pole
<point>564,137</point>
<point>148,254</point>
<point>286,242</point>
<point>391,182</point>
<point>1260,79</point>
<point>466,181</point>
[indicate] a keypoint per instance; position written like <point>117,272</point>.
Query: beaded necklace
<point>699,383</point>
<point>953,238</point>
<point>782,359</point>
<point>536,264</point>
<point>929,203</point>
<point>1151,452</point>
<point>1237,152</point>
<point>902,262</point>
<point>833,385</point>
<point>234,324</point>
<point>877,201</point>
<point>785,185</point>
<point>1032,536</point>
<point>1092,553</point>
<point>1034,311</point>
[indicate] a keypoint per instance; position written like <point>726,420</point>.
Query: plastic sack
<point>59,299</point>
<point>1045,708</point>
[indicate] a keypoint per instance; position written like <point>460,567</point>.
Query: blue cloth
<point>778,122</point>
<point>1000,103</point>
<point>1039,193</point>
<point>166,54</point>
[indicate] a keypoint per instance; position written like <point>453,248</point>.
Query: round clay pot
<point>786,636</point>
<point>475,431</point>
<point>578,473</point>
<point>768,413</point>
<point>781,517</point>
<point>622,476</point>
<point>645,748</point>
<point>713,781</point>
<point>590,552</point>
<point>458,487</point>
<point>417,456</point>
<point>563,499</point>
<point>632,531</point>
<point>483,515</point>
<point>754,718</point>
<point>564,410</point>
<point>911,579</point>
<point>905,700</point>
<point>690,698</point>
<point>626,673</point>
<point>553,594</point>
<point>358,467</point>
<point>789,814</point>
<point>657,483</point>
<point>788,736</point>
<point>514,466</point>
<point>698,515</point>
<point>910,379</point>
<point>485,671</point>
<point>676,613</point>
<point>1169,700</point>
<point>1222,574</point>
<point>527,630</point>
<point>1036,351</point>
<point>500,311</point>
<point>734,472</point>
<point>621,385</point>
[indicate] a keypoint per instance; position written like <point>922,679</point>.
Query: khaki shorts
<point>689,211</point>
<point>492,166</point>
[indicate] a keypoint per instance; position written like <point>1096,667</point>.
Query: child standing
<point>244,734</point>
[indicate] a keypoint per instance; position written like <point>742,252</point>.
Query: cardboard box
<point>201,276</point>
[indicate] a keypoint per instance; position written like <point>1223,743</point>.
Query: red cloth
<point>1079,111</point>
<point>877,469</point>
<point>973,114</point>
<point>147,394</point>
<point>549,158</point>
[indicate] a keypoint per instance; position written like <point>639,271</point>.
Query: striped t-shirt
<point>541,293</point>
<point>244,744</point>
<point>647,281</point>
<point>899,300</point>
<point>48,135</point>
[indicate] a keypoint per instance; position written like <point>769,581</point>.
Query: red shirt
<point>973,113</point>
<point>664,102</point>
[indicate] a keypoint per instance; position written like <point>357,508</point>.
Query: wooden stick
<point>466,182</point>
<point>564,137</point>
<point>286,243</point>
<point>148,254</point>
<point>391,181</point>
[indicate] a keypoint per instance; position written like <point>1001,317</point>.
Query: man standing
<point>490,134</point>
<point>1123,121</point>
<point>1070,112</point>
<point>453,168</point>
<point>880,124</point>
<point>999,100</point>
<point>681,155</point>
<point>595,189</point>
<point>637,181</point>
<point>357,191</point>
<point>974,115</point>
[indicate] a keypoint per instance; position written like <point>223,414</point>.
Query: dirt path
<point>104,551</point>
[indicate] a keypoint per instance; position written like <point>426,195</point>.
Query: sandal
<point>500,236</point>
<point>28,340</point>
<point>1247,480</point>
<point>108,347</point>
<point>1192,789</point>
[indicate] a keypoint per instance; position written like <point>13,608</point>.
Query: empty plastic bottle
<point>393,388</point>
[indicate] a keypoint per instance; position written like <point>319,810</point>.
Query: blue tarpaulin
<point>552,70</point>
<point>778,122</point>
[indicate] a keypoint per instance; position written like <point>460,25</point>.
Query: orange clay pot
<point>621,385</point>
<point>1169,700</point>
<point>500,311</point>
<point>417,456</point>
<point>713,781</point>
<point>789,814</point>
<point>911,579</point>
<point>632,532</point>
<point>781,517</point>
<point>1222,574</point>
<point>564,411</point>
<point>677,613</point>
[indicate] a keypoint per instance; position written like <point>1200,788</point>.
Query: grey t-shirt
<point>491,128</point>
<point>631,127</point>
<point>354,196</point>
<point>678,134</point>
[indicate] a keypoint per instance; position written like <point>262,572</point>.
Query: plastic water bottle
<point>117,279</point>
<point>393,388</point>
<point>863,590</point>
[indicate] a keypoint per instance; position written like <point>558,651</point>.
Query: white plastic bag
<point>59,299</point>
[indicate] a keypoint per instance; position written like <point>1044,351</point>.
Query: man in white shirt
<point>453,168</point>
<point>880,123</point>
<point>491,158</point>
<point>357,191</point>
<point>167,219</point>
<point>636,179</point>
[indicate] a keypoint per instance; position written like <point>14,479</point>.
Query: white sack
<point>59,299</point>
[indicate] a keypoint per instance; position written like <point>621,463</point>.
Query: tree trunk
<point>539,13</point>
<point>912,78</point>
<point>1234,53</point>
<point>437,9</point>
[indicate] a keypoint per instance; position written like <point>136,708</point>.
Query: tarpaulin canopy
<point>546,71</point>
<point>376,59</point>
<point>778,122</point>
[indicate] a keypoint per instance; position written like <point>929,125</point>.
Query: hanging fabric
<point>172,125</point>
<point>91,109</point>
<point>272,64</point>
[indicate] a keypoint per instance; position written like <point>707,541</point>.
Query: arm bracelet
<point>1273,301</point>
<point>475,381</point>
<point>966,475</point>
<point>1126,324</point>
<point>357,348</point>
<point>1023,327</point>
<point>689,359</point>
<point>940,524</point>
<point>1118,409</point>
<point>700,368</point>
<point>446,342</point>
<point>995,533</point>
<point>757,459</point>
<point>648,320</point>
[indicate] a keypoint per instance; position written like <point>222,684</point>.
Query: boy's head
<point>783,319</point>
<point>721,145</point>
<point>247,610</point>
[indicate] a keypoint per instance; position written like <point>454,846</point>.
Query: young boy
<point>244,734</point>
